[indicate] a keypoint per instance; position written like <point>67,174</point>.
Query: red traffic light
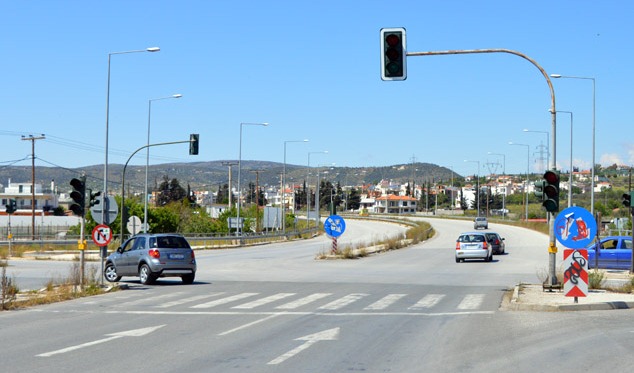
<point>551,177</point>
<point>393,54</point>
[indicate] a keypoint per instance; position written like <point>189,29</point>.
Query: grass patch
<point>56,290</point>
<point>419,231</point>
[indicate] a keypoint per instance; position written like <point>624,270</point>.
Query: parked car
<point>473,245</point>
<point>481,222</point>
<point>614,252</point>
<point>150,256</point>
<point>496,241</point>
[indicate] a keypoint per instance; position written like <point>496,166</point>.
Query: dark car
<point>497,242</point>
<point>614,252</point>
<point>150,256</point>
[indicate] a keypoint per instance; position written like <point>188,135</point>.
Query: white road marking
<point>385,302</point>
<point>303,301</point>
<point>188,300</point>
<point>342,302</point>
<point>226,300</point>
<point>471,302</point>
<point>249,324</point>
<point>428,301</point>
<point>311,339</point>
<point>263,301</point>
<point>130,333</point>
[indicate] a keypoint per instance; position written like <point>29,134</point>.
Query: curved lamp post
<point>104,209</point>
<point>284,186</point>
<point>557,76</point>
<point>477,185</point>
<point>528,162</point>
<point>239,230</point>
<point>147,156</point>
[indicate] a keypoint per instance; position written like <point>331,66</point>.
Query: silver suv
<point>151,256</point>
<point>481,222</point>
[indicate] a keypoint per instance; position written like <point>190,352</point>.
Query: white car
<point>481,222</point>
<point>473,245</point>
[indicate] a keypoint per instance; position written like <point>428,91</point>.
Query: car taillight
<point>497,242</point>
<point>193,255</point>
<point>484,245</point>
<point>457,245</point>
<point>154,253</point>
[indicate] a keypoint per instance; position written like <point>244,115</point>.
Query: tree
<point>170,191</point>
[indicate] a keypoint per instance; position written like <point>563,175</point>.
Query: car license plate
<point>176,256</point>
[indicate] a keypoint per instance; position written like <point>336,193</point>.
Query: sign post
<point>334,226</point>
<point>101,236</point>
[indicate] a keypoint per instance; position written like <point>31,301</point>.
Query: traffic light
<point>539,189</point>
<point>93,198</point>
<point>551,191</point>
<point>393,54</point>
<point>193,144</point>
<point>12,206</point>
<point>627,199</point>
<point>78,195</point>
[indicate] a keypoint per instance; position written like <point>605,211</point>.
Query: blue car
<point>614,252</point>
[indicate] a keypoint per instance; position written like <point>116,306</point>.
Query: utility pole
<point>32,139</point>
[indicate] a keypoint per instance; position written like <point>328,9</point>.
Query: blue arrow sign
<point>334,226</point>
<point>575,227</point>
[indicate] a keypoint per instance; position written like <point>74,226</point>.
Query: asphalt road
<point>274,308</point>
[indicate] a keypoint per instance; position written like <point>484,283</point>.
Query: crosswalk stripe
<point>263,301</point>
<point>471,302</point>
<point>303,301</point>
<point>385,302</point>
<point>342,302</point>
<point>188,300</point>
<point>226,300</point>
<point>428,301</point>
<point>154,298</point>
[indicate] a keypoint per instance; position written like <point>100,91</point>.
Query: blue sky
<point>311,70</point>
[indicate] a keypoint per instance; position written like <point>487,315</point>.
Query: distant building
<point>45,199</point>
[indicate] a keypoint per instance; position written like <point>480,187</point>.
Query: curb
<point>517,305</point>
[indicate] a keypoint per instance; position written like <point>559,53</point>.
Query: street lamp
<point>547,145</point>
<point>147,155</point>
<point>104,208</point>
<point>239,230</point>
<point>570,177</point>
<point>528,157</point>
<point>477,185</point>
<point>557,76</point>
<point>284,185</point>
<point>308,187</point>
<point>503,173</point>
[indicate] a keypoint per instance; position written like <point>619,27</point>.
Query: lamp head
<point>153,49</point>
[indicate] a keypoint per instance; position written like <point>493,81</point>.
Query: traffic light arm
<point>126,166</point>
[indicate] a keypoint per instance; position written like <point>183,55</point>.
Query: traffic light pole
<point>191,140</point>
<point>552,248</point>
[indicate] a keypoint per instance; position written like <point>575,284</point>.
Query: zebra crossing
<point>317,302</point>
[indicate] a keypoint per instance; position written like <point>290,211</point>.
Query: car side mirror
<point>120,250</point>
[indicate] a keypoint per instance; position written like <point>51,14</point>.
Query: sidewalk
<point>532,297</point>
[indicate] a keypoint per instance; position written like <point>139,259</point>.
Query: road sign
<point>111,207</point>
<point>334,226</point>
<point>102,235</point>
<point>575,227</point>
<point>134,224</point>
<point>576,273</point>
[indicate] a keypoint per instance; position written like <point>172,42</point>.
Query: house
<point>23,193</point>
<point>393,204</point>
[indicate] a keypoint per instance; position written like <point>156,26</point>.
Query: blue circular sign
<point>334,226</point>
<point>575,227</point>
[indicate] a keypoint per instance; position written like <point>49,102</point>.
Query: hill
<point>210,175</point>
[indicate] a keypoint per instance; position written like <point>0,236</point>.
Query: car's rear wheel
<point>145,275</point>
<point>110,273</point>
<point>188,279</point>
<point>457,260</point>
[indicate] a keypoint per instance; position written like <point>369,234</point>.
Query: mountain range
<point>212,174</point>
